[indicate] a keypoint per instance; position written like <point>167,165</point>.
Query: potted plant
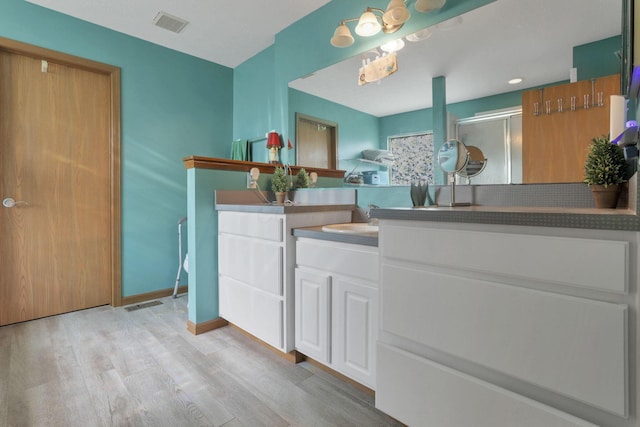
<point>604,171</point>
<point>279,184</point>
<point>302,179</point>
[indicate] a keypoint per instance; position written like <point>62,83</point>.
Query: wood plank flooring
<point>110,367</point>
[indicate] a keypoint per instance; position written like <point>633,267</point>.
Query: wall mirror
<point>478,53</point>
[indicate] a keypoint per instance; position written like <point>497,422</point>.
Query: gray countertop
<point>314,232</point>
<point>317,233</point>
<point>273,208</point>
<point>606,219</point>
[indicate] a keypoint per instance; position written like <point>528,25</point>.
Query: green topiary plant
<point>605,164</point>
<point>279,183</point>
<point>302,179</point>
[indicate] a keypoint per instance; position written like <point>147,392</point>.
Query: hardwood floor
<point>110,367</point>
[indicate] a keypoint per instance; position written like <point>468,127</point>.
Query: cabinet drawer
<point>233,307</point>
<point>420,392</point>
<point>572,346</point>
<point>254,311</point>
<point>558,260</point>
<point>340,258</point>
<point>257,263</point>
<point>267,318</point>
<point>262,226</point>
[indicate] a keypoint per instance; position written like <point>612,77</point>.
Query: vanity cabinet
<point>255,266</point>
<point>336,306</point>
<point>491,325</point>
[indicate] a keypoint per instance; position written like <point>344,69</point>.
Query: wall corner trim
<point>210,325</point>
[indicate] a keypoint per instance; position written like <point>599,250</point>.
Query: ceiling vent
<point>169,22</point>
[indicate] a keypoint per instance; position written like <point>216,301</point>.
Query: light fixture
<point>392,46</point>
<point>371,22</point>
<point>397,13</point>
<point>423,6</point>
<point>368,24</point>
<point>273,144</point>
<point>515,81</point>
<point>342,36</point>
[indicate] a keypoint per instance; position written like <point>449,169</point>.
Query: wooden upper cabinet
<point>555,143</point>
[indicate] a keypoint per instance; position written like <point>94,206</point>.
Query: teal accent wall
<point>203,250</point>
<point>254,100</point>
<point>173,105</point>
<point>598,59</point>
<point>405,123</point>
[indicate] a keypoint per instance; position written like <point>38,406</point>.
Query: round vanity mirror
<point>476,163</point>
<point>453,156</point>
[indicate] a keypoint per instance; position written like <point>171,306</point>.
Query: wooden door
<point>56,156</point>
<point>316,142</point>
<point>555,145</point>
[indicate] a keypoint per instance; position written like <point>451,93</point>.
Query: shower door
<point>499,136</point>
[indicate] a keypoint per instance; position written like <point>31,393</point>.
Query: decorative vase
<point>606,197</point>
<point>419,192</point>
<point>280,197</point>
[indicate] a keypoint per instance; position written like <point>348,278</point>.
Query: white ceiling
<point>492,44</point>
<point>224,32</point>
<point>504,39</point>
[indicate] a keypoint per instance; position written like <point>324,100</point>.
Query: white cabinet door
<point>312,314</point>
<point>355,307</point>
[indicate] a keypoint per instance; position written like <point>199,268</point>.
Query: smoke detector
<point>169,22</point>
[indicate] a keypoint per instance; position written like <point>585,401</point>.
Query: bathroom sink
<point>352,228</point>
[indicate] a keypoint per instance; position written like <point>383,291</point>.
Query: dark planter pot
<point>606,197</point>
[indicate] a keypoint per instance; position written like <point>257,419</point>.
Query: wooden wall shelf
<point>200,162</point>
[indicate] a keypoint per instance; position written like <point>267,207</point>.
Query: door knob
<point>10,202</point>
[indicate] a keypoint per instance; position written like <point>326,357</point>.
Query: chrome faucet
<point>371,221</point>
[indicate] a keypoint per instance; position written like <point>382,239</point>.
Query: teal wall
<point>203,250</point>
<point>254,100</point>
<point>405,123</point>
<point>173,106</point>
<point>598,59</point>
